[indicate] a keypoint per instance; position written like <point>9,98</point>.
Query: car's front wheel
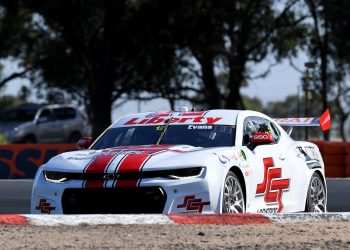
<point>233,197</point>
<point>316,195</point>
<point>29,139</point>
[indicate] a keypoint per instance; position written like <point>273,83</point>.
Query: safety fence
<point>336,156</point>
<point>21,161</point>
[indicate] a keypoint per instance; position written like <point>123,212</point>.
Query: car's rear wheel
<point>233,197</point>
<point>316,195</point>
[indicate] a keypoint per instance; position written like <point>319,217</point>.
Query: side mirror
<point>261,138</point>
<point>85,142</point>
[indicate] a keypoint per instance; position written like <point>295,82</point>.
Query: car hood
<point>131,159</point>
<point>6,127</point>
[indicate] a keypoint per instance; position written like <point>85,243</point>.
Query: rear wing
<point>324,121</point>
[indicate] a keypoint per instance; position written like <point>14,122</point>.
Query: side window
<point>65,113</point>
<point>276,134</point>
<point>46,115</point>
<point>258,124</point>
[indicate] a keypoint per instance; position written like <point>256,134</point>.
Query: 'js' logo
<point>272,186</point>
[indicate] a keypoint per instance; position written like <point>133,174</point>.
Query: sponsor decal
<point>296,120</point>
<point>111,176</point>
<point>261,137</point>
<point>178,120</point>
<point>234,155</point>
<point>160,128</point>
<point>193,204</point>
<point>155,114</point>
<point>200,127</point>
<point>312,153</point>
<point>74,158</point>
<point>243,155</point>
<point>21,161</point>
<point>223,159</point>
<point>272,186</point>
<point>44,207</point>
<point>268,210</point>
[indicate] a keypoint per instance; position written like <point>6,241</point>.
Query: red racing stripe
<point>135,163</point>
<point>98,165</point>
<point>131,163</point>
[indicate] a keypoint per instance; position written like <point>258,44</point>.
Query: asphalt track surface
<point>15,196</point>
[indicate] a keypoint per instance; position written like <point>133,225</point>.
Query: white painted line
<point>96,219</point>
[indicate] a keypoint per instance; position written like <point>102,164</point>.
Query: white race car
<point>217,161</point>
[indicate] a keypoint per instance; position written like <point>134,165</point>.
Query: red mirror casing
<point>85,142</point>
<point>261,138</point>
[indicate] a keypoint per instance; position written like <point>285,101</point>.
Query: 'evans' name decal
<point>178,120</point>
<point>200,127</point>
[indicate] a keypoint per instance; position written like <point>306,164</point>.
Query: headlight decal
<point>56,177</point>
<point>61,177</point>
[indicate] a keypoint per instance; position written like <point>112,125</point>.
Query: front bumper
<point>142,200</point>
<point>154,195</point>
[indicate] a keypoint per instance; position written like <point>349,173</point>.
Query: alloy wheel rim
<point>317,196</point>
<point>233,196</point>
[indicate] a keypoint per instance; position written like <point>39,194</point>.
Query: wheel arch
<point>311,173</point>
<point>322,177</point>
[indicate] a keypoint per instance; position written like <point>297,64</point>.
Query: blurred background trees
<point>101,52</point>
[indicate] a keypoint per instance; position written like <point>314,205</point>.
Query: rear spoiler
<point>324,121</point>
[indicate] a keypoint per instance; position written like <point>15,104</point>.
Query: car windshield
<point>18,115</point>
<point>194,135</point>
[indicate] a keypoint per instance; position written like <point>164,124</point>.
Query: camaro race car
<point>216,161</point>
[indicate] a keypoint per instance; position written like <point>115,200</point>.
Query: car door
<point>46,126</point>
<point>65,122</point>
<point>270,177</point>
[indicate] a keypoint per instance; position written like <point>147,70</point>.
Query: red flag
<point>325,120</point>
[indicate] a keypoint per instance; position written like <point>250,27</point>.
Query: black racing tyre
<point>316,199</point>
<point>233,196</point>
<point>29,139</point>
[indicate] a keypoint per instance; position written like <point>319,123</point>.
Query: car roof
<point>52,106</point>
<point>216,116</point>
<point>36,106</point>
